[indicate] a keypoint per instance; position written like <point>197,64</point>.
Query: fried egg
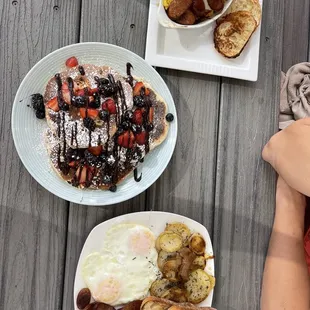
<point>125,268</point>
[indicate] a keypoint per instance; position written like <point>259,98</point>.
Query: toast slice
<point>251,6</point>
<point>151,303</point>
<point>233,33</point>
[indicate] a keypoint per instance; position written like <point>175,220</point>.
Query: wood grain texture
<point>187,185</point>
<point>245,185</point>
<point>123,23</point>
<point>295,32</point>
<point>32,221</point>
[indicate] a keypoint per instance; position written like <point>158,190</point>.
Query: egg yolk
<point>141,242</point>
<point>108,291</point>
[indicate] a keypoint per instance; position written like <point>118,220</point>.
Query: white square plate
<point>193,50</point>
<point>156,221</point>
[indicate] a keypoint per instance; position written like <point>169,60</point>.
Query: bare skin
<point>288,152</point>
<point>286,282</point>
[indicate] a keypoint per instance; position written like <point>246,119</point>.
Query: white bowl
<point>166,22</point>
<point>28,131</point>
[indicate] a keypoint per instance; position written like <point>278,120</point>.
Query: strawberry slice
<point>73,163</point>
<point>92,113</point>
<point>141,137</point>
<point>66,93</point>
<point>151,114</point>
<point>53,104</point>
<point>109,105</point>
<point>126,139</point>
<point>137,89</point>
<point>92,91</point>
<point>72,62</point>
<point>137,117</point>
<point>95,150</point>
<point>80,92</point>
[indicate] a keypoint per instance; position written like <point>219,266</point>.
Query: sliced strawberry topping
<point>53,104</point>
<point>137,117</point>
<point>151,114</point>
<point>141,137</point>
<point>80,92</point>
<point>72,62</point>
<point>93,91</point>
<point>137,89</point>
<point>109,105</point>
<point>126,139</point>
<point>92,113</point>
<point>73,163</point>
<point>95,150</point>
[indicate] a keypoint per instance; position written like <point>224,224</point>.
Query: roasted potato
<point>199,286</point>
<point>170,242</point>
<point>159,287</point>
<point>199,263</point>
<point>171,267</point>
<point>188,18</point>
<point>180,229</point>
<point>176,294</point>
<point>197,244</point>
<point>216,5</point>
<point>177,8</point>
<point>151,305</point>
<point>157,242</point>
<point>163,256</point>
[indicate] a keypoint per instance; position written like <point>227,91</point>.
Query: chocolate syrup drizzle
<point>110,171</point>
<point>81,69</point>
<point>129,78</point>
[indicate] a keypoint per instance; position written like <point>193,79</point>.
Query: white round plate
<point>156,221</point>
<point>28,131</point>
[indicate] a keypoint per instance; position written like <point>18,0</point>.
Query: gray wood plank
<point>32,221</point>
<point>122,23</point>
<point>187,185</point>
<point>245,185</point>
<point>296,32</point>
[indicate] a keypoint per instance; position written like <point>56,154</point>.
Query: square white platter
<point>193,50</point>
<point>156,221</point>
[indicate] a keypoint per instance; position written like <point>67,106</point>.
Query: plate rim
<point>116,218</point>
<point>191,65</point>
<point>76,199</point>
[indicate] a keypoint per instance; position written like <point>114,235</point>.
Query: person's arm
<point>286,282</point>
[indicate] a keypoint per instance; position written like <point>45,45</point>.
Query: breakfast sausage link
<point>178,7</point>
<point>216,5</point>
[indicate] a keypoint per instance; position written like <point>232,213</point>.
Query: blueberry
<point>138,101</point>
<point>169,117</point>
<point>149,127</point>
<point>37,102</point>
<point>128,115</point>
<point>40,114</point>
<point>107,179</point>
<point>78,101</point>
<point>104,115</point>
<point>125,125</point>
<point>95,104</point>
<point>103,157</point>
<point>136,128</point>
<point>113,188</point>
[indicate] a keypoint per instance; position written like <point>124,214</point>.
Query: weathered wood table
<point>216,175</point>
